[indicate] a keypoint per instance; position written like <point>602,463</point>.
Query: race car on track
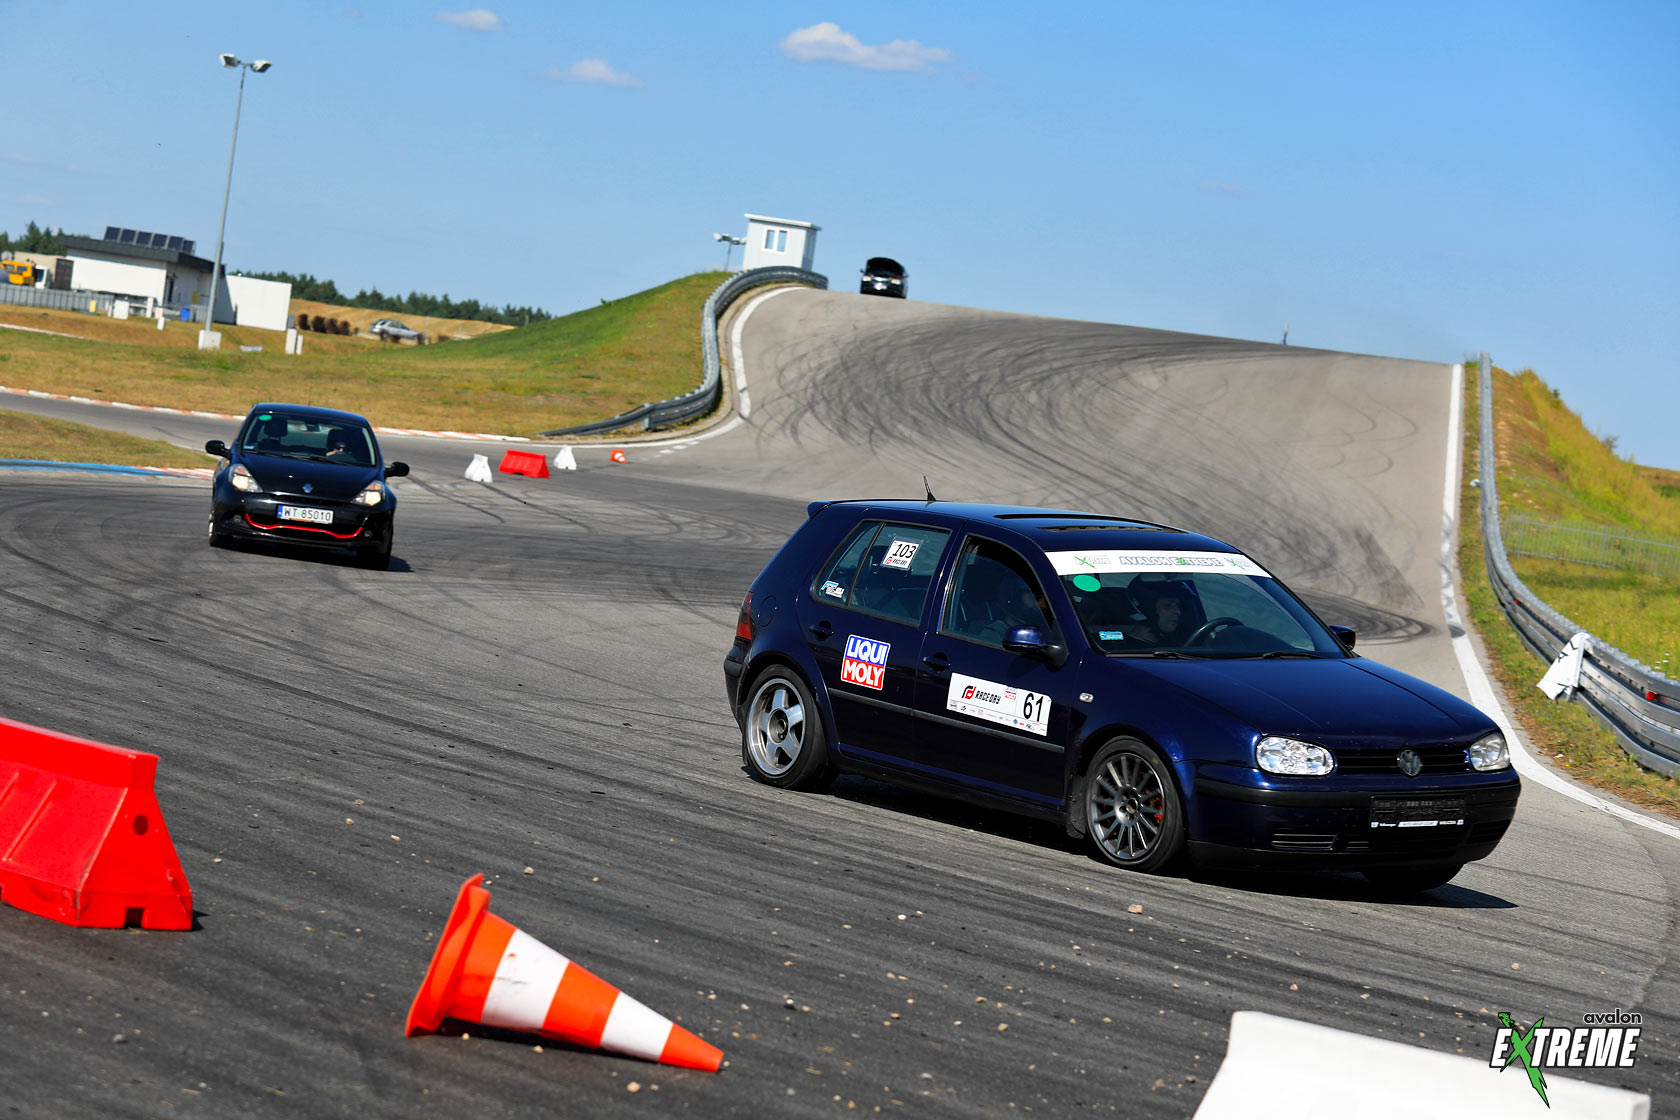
<point>306,476</point>
<point>1154,690</point>
<point>883,276</point>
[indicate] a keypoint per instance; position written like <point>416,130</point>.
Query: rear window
<point>884,569</point>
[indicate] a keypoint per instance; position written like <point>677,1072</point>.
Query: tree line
<point>305,286</point>
<point>34,240</point>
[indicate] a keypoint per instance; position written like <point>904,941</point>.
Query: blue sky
<point>1421,180</point>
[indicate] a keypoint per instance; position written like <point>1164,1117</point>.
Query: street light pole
<point>207,338</point>
<point>729,244</point>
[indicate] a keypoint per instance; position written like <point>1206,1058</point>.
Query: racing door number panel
<point>999,703</point>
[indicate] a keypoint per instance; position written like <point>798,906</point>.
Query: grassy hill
<point>435,329</point>
<point>1549,464</point>
<point>585,366</point>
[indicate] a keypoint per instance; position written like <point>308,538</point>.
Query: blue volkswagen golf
<point>1154,690</point>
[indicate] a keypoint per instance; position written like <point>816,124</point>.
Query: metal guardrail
<point>664,414</point>
<point>1639,705</point>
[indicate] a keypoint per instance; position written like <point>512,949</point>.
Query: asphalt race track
<point>537,684</point>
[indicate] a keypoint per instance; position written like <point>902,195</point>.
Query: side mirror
<point>217,447</point>
<point>1029,641</point>
<point>1344,635</point>
<point>396,470</point>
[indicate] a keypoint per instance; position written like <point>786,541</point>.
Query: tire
<point>377,557</point>
<point>1133,815</point>
<point>1396,881</point>
<point>215,539</point>
<point>782,740</point>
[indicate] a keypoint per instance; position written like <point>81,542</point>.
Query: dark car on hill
<point>301,475</point>
<point>883,276</point>
<point>1152,689</point>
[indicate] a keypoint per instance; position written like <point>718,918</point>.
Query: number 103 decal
<point>999,703</point>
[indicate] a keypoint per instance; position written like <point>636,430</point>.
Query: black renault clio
<point>1155,690</point>
<point>302,475</point>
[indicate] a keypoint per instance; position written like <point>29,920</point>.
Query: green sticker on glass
<point>1087,583</point>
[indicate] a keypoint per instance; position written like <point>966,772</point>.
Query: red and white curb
<point>225,416</point>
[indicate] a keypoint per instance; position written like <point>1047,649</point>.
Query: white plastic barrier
<point>1283,1069</point>
<point>479,469</point>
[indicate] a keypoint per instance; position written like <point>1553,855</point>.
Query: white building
<point>779,242</point>
<point>163,272</point>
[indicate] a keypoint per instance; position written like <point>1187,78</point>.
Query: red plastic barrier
<point>82,839</point>
<point>524,462</point>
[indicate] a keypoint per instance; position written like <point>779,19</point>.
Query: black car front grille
<point>1291,840</point>
<point>1436,760</point>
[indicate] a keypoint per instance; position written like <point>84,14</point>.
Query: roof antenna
<point>930,498</point>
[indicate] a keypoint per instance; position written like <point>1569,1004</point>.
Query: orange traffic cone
<point>488,971</point>
<point>617,455</point>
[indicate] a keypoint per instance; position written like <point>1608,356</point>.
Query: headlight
<point>1490,753</point>
<point>372,496</point>
<point>242,480</point>
<point>1277,755</point>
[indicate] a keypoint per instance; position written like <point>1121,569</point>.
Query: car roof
<point>882,264</point>
<point>313,412</point>
<point>1052,530</point>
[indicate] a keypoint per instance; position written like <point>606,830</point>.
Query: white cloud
<point>826,42</point>
<point>1217,187</point>
<point>595,70</point>
<point>474,19</point>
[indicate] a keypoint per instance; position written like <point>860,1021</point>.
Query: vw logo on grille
<point>308,488</point>
<point>1410,762</point>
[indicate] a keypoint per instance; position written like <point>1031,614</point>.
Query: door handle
<point>938,662</point>
<point>821,631</point>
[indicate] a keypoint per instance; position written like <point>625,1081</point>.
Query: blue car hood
<point>282,475</point>
<point>1346,700</point>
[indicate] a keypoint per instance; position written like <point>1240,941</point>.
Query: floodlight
<point>261,64</point>
<point>229,61</point>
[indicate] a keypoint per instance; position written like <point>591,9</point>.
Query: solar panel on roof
<point>175,243</point>
<point>127,237</point>
<point>112,233</point>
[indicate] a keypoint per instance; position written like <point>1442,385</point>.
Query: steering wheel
<point>1207,629</point>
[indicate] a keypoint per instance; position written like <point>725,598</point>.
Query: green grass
<point>586,366</point>
<point>1625,608</point>
<point>25,436</point>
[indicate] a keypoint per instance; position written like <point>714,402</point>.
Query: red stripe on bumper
<point>255,524</point>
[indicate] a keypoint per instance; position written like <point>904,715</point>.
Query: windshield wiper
<point>1311,655</point>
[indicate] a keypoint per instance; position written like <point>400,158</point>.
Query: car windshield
<point>1188,604</point>
<point>301,437</point>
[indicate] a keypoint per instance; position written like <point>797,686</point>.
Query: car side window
<point>834,583</point>
<point>897,570</point>
<point>885,569</point>
<point>993,591</point>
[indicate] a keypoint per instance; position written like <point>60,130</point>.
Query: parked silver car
<point>393,331</point>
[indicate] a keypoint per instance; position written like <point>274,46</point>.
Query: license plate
<point>1417,812</point>
<point>304,513</point>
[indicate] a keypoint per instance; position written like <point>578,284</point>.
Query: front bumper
<point>1335,829</point>
<point>257,517</point>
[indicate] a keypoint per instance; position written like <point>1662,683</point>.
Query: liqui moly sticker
<point>900,553</point>
<point>865,662</point>
<point>1111,560</point>
<point>999,703</point>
